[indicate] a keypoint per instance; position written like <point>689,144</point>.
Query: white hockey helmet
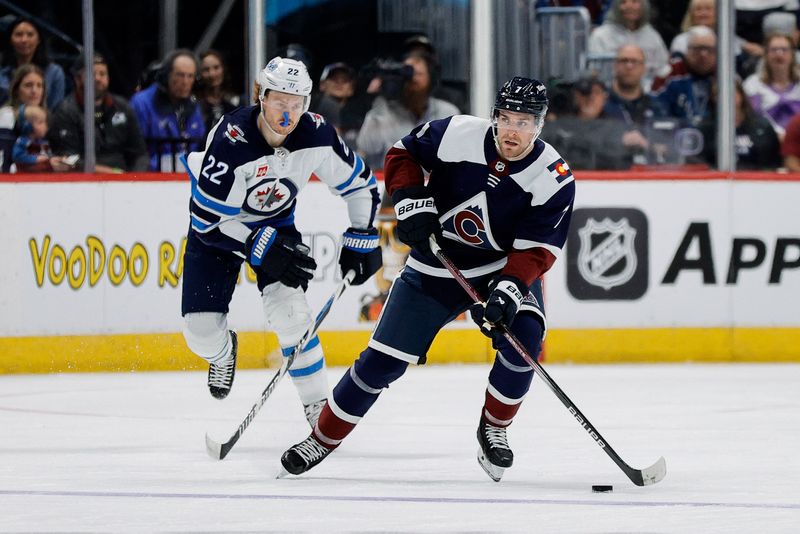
<point>285,75</point>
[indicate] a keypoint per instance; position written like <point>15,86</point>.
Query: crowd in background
<point>658,108</point>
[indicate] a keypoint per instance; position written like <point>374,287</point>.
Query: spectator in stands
<point>448,90</point>
<point>699,13</point>
<point>594,140</point>
<point>774,91</point>
<point>790,148</point>
<point>394,114</point>
<point>628,21</point>
<point>704,13</point>
<point>118,142</point>
<point>214,90</point>
<point>24,47</point>
<point>27,88</point>
<point>337,85</point>
<point>168,114</point>
<point>686,92</point>
<point>750,16</point>
<point>757,147</point>
<point>627,100</point>
<point>31,151</point>
<point>629,103</point>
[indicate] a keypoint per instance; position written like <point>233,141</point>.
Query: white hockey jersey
<point>240,182</point>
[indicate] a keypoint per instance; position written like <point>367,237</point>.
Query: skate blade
<point>495,472</point>
<point>282,473</point>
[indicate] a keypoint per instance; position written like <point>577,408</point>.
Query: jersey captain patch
<point>468,223</point>
<point>270,196</point>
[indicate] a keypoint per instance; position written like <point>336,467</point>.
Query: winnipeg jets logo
<point>234,133</point>
<point>468,223</point>
<point>266,199</point>
<point>270,196</point>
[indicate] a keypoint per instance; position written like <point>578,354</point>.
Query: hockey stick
<point>217,450</point>
<point>640,477</point>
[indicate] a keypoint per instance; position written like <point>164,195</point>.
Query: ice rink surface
<point>126,453</point>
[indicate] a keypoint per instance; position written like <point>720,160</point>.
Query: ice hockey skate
<point>494,454</point>
<point>220,375</point>
<point>313,410</point>
<point>303,456</point>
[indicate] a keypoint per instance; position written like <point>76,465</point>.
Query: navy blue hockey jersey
<point>240,182</point>
<point>488,207</point>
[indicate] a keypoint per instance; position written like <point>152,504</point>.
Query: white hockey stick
<point>640,477</point>
<point>217,450</point>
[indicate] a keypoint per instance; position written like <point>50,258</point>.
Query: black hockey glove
<point>505,298</point>
<point>282,258</point>
<point>360,253</point>
<point>417,218</point>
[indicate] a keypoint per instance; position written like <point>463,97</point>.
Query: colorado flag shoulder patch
<point>560,170</point>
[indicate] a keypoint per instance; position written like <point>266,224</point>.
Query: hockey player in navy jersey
<point>499,201</point>
<point>244,189</point>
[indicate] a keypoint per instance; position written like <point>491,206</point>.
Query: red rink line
<point>633,175</point>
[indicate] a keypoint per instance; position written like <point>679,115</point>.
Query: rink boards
<point>658,267</point>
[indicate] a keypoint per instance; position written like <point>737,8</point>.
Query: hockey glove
<point>360,253</point>
<point>505,298</point>
<point>282,258</point>
<point>417,218</point>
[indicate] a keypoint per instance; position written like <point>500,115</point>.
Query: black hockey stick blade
<point>219,451</point>
<point>640,477</point>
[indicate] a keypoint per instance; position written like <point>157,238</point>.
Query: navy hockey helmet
<point>522,95</point>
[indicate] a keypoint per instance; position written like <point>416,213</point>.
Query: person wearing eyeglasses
<point>686,93</point>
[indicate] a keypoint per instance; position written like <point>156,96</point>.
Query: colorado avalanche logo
<point>270,196</point>
<point>468,223</point>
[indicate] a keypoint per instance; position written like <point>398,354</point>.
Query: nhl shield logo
<point>607,256</point>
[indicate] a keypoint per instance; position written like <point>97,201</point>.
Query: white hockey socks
<point>308,372</point>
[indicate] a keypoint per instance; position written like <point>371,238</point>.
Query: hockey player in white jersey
<point>244,189</point>
<point>499,201</point>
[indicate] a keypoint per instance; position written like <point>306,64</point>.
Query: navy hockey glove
<point>360,253</point>
<point>505,298</point>
<point>282,258</point>
<point>417,218</point>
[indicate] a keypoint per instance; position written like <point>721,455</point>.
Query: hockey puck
<point>602,489</point>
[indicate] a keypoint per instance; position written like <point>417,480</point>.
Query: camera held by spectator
<point>392,77</point>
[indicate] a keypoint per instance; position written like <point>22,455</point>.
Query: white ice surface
<point>126,453</point>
